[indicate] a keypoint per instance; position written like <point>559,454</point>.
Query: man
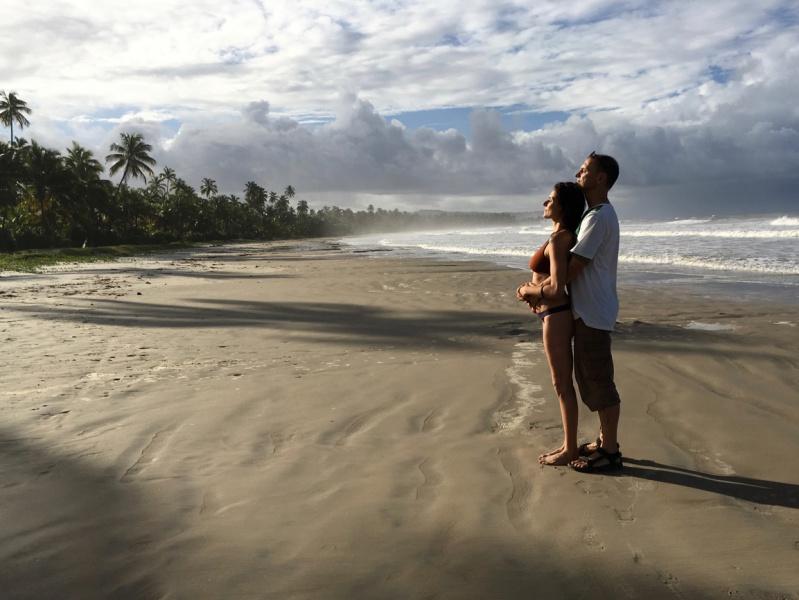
<point>595,306</point>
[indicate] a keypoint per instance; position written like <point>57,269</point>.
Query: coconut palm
<point>169,178</point>
<point>302,209</point>
<point>47,178</point>
<point>208,188</point>
<point>82,164</point>
<point>289,191</point>
<point>86,192</point>
<point>12,108</point>
<point>131,156</point>
<point>254,196</point>
<point>11,168</point>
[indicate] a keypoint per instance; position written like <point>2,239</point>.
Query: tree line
<point>49,199</point>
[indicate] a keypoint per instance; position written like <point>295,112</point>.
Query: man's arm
<point>576,266</point>
<point>532,292</point>
<point>593,232</point>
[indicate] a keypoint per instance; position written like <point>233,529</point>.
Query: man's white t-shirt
<point>593,292</point>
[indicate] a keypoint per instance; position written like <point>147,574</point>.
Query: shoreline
<point>293,420</point>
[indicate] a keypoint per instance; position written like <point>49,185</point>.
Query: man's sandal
<point>588,448</point>
<point>601,462</point>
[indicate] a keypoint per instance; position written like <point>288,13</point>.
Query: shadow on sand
<point>323,322</point>
<point>69,529</point>
<point>759,491</point>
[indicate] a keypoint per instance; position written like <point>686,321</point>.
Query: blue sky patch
<point>450,39</point>
<point>602,14</point>
<point>787,15</point>
<point>719,74</point>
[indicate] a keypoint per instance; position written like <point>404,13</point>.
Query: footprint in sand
<point>432,478</point>
<point>265,447</point>
<point>591,539</point>
<point>518,502</point>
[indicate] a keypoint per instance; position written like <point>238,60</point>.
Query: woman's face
<point>552,208</point>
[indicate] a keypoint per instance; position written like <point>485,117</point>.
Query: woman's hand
<point>521,291</point>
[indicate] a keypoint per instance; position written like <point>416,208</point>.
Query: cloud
<point>402,56</point>
<point>696,95</point>
<point>362,152</point>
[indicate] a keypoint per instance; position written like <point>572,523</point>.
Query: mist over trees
<point>50,198</point>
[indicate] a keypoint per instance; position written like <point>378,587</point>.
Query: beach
<point>306,420</point>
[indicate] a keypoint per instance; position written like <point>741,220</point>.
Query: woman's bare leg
<point>558,331</point>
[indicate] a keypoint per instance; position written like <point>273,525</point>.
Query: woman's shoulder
<point>562,236</point>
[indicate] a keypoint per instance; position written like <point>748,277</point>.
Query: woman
<point>549,264</point>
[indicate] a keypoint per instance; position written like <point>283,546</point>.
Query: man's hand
<point>521,290</point>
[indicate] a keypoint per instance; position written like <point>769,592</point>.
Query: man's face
<point>587,176</point>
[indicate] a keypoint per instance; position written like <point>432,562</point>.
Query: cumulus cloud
<point>363,152</point>
<point>697,95</point>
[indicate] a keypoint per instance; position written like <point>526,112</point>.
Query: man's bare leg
<point>609,427</point>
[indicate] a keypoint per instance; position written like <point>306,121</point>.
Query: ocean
<point>752,258</point>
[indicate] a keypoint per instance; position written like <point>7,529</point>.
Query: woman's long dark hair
<point>571,200</point>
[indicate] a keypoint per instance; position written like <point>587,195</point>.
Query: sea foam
<point>789,221</point>
<point>751,265</point>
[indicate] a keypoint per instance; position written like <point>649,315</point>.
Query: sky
<point>453,105</point>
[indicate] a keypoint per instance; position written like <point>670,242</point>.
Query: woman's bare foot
<point>543,456</point>
<point>558,459</point>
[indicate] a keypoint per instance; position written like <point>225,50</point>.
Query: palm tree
<point>132,156</point>
<point>168,176</point>
<point>11,168</point>
<point>82,164</point>
<point>289,191</point>
<point>12,108</point>
<point>302,209</point>
<point>86,190</point>
<point>47,177</point>
<point>254,196</point>
<point>208,188</point>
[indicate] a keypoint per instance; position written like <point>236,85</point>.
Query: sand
<point>298,420</point>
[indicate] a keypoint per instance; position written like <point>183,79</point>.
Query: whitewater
<point>754,250</point>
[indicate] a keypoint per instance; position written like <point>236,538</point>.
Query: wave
<point>790,221</point>
<point>535,230</point>
<point>461,249</point>
<point>744,265</point>
<point>689,221</point>
<point>748,265</point>
<point>466,232</point>
<point>710,233</point>
<point>709,326</point>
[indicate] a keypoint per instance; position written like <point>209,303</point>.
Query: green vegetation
<point>49,199</point>
<point>31,261</point>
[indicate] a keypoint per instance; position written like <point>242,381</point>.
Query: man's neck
<point>595,197</point>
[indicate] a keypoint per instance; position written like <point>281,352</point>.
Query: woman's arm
<point>575,267</point>
<point>533,283</point>
<point>555,286</point>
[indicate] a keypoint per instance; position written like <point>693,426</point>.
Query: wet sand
<point>296,420</point>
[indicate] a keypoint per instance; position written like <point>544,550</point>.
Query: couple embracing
<point>573,292</point>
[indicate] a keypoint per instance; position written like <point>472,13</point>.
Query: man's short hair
<point>608,165</point>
